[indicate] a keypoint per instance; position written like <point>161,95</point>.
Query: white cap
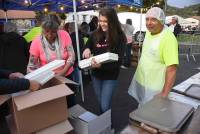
<point>157,13</point>
<point>175,18</point>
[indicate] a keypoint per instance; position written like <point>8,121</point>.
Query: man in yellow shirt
<point>35,31</point>
<point>156,71</point>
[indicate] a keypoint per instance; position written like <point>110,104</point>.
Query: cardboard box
<point>60,128</point>
<point>85,122</point>
<point>37,110</point>
<point>102,58</point>
<point>4,98</point>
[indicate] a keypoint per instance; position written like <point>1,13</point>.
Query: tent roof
<point>54,5</point>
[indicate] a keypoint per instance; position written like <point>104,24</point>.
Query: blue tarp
<point>54,5</point>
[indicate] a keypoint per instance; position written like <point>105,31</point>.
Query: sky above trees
<point>182,3</point>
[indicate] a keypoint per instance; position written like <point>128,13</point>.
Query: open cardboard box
<point>34,111</point>
<point>4,98</point>
<point>85,122</point>
<point>59,128</point>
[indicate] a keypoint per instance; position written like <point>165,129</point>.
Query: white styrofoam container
<point>102,58</point>
<point>48,67</point>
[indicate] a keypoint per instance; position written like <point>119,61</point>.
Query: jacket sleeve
<point>4,73</point>
<point>8,86</point>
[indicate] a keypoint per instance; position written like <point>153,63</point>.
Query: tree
<point>198,12</point>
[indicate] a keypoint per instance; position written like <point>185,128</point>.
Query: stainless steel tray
<point>193,91</point>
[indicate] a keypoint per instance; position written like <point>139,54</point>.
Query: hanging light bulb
<point>45,9</point>
<point>86,6</point>
<point>131,7</point>
<point>118,6</point>
<point>26,2</point>
<point>82,1</point>
<point>62,8</point>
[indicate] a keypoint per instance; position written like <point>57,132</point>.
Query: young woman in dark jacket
<point>109,37</point>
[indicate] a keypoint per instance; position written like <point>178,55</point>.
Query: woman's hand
<point>34,85</point>
<point>95,64</point>
<point>86,53</point>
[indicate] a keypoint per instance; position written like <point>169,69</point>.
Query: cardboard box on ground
<point>59,128</point>
<point>85,122</point>
<point>34,111</point>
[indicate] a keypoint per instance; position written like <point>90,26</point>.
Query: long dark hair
<point>114,35</point>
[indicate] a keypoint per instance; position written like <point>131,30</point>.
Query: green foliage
<point>198,13</point>
<point>192,38</point>
<point>185,12</point>
<point>62,16</point>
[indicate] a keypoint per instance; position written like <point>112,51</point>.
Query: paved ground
<point>122,103</point>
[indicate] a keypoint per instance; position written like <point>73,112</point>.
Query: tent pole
<point>78,49</point>
<point>6,15</point>
<point>140,34</point>
<point>165,8</point>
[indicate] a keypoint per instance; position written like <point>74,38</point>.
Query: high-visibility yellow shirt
<point>32,34</point>
<point>158,52</point>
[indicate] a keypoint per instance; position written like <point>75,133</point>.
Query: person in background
<point>35,31</point>
<point>72,33</point>
<point>14,50</point>
<point>93,23</point>
<point>128,30</point>
<point>175,27</point>
<point>66,27</point>
<point>85,29</point>
<point>157,67</point>
<point>108,37</point>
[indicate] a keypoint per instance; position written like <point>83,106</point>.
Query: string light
<point>131,7</point>
<point>118,6</point>
<point>62,8</point>
<point>82,1</point>
<point>45,9</point>
<point>86,6</point>
<point>26,1</point>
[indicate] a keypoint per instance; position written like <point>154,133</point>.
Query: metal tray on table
<point>193,91</point>
<point>163,114</point>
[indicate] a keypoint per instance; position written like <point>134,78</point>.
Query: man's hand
<point>16,75</point>
<point>34,85</point>
<point>161,95</point>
